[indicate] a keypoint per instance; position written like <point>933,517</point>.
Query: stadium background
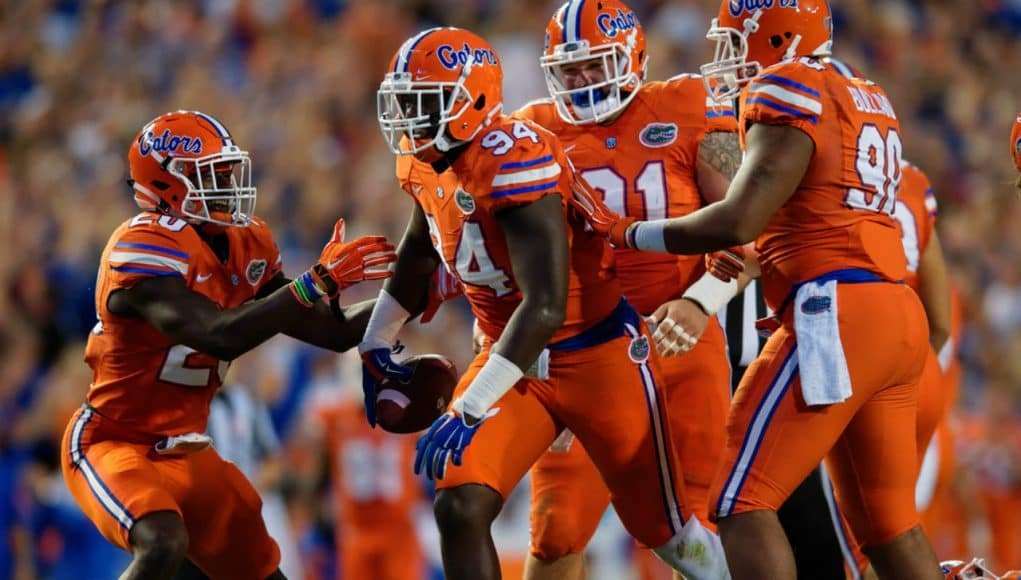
<point>295,82</point>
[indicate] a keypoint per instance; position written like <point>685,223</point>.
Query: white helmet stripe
<point>572,21</point>
<point>224,133</point>
<point>409,45</point>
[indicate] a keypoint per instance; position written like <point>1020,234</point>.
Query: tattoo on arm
<point>721,150</point>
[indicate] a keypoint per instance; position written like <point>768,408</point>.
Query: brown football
<point>409,407</point>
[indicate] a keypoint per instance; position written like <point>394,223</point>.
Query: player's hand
<point>445,441</point>
<point>726,264</point>
<point>442,287</point>
<point>603,220</point>
<point>345,264</point>
<point>376,366</point>
<point>679,325</point>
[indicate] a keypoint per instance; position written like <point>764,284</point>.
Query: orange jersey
<point>510,163</point>
<point>916,211</point>
<point>373,488</point>
<point>840,217</point>
<point>644,164</point>
<point>141,378</point>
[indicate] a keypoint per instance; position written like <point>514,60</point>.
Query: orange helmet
<point>751,35</point>
<point>584,31</point>
<point>1015,143</point>
<point>443,87</point>
<point>186,164</point>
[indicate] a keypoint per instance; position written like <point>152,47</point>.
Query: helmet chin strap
<point>792,49</point>
<point>751,25</point>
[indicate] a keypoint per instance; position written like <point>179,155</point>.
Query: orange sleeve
<point>541,112</point>
<point>515,164</point>
<point>786,94</point>
<point>146,249</point>
<point>719,116</point>
<point>916,193</point>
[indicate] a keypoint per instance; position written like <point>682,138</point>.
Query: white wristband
<point>386,320</point>
<point>495,378</point>
<point>711,293</point>
<point>649,236</point>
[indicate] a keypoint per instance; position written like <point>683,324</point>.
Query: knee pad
<point>695,552</point>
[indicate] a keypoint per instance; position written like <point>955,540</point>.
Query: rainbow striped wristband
<point>305,290</point>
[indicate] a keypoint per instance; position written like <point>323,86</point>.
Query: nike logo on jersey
<point>200,278</point>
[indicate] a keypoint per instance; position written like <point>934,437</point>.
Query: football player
<point>374,495</point>
<point>184,287</point>
<point>816,190</point>
<point>652,150</point>
<point>562,349</point>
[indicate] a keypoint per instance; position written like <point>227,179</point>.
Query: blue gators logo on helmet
<point>816,305</point>
<point>612,24</point>
<point>736,7</point>
<point>657,135</point>
<point>168,142</point>
<point>451,57</point>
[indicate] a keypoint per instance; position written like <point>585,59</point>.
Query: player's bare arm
<point>416,261</point>
<point>405,295</point>
<point>680,323</point>
<point>776,159</point>
<point>934,290</point>
<point>719,156</point>
<point>326,325</point>
<point>196,321</point>
<point>537,240</point>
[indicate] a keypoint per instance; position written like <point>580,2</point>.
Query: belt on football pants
<point>845,276</point>
<point>607,329</point>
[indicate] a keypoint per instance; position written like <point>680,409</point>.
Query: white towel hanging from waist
<point>821,362</point>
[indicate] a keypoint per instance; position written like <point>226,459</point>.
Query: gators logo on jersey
<point>639,349</point>
<point>464,201</point>
<point>656,135</point>
<point>255,270</point>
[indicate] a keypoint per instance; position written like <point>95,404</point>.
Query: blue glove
<point>376,366</point>
<point>445,441</point>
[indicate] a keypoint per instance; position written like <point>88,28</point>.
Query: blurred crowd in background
<point>295,81</point>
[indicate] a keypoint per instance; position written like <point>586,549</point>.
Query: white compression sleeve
<point>386,320</point>
<point>648,236</point>
<point>495,378</point>
<point>711,293</point>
